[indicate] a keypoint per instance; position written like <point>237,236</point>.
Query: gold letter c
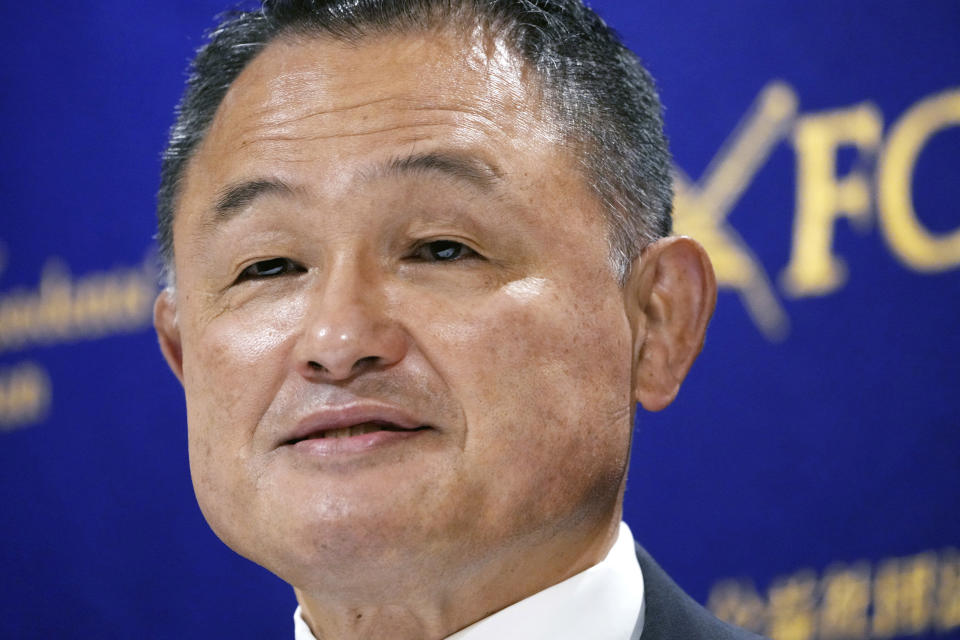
<point>909,239</point>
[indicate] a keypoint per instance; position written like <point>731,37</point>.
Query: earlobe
<point>168,331</point>
<point>675,293</point>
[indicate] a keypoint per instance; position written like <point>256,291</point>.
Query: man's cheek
<point>560,339</point>
<point>237,360</point>
<point>525,360</point>
<point>218,385</point>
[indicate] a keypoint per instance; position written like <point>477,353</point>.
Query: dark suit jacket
<point>673,615</point>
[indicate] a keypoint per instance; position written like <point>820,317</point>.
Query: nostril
<point>361,364</point>
<point>366,361</point>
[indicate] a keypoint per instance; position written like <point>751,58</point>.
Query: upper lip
<point>348,415</point>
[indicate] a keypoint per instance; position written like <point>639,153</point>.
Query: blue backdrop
<point>805,484</point>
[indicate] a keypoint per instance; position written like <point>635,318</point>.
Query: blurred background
<point>806,483</point>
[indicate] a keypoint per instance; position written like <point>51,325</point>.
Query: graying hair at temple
<point>603,99</point>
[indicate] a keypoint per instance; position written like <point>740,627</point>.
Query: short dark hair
<point>603,99</point>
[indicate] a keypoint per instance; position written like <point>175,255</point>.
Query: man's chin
<point>352,529</point>
<point>367,559</point>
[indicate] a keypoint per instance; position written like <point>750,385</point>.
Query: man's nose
<point>348,328</point>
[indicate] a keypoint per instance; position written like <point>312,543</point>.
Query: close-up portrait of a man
<point>420,273</point>
<point>480,320</point>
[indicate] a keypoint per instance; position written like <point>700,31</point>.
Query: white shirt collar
<point>604,602</point>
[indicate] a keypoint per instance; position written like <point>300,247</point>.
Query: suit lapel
<point>670,614</point>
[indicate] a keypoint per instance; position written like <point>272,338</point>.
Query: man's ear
<point>672,292</point>
<point>168,330</point>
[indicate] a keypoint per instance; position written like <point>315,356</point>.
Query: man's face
<point>390,235</point>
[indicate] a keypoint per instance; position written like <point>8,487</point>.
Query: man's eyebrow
<point>457,165</point>
<point>234,198</point>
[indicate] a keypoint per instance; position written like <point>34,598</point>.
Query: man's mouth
<point>353,428</point>
<point>356,430</point>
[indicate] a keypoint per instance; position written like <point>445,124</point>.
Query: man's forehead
<point>298,76</point>
<point>318,99</point>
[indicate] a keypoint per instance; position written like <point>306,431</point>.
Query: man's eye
<point>443,251</point>
<point>270,268</point>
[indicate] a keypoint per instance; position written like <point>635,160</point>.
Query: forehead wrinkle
<point>457,110</point>
<point>329,136</point>
<point>469,119</point>
<point>264,111</point>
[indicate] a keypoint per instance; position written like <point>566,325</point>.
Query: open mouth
<point>360,429</point>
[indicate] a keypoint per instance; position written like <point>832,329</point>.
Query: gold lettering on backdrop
<point>904,592</point>
<point>886,599</point>
<point>845,598</point>
<point>792,614</point>
<point>948,592</point>
<point>896,598</point>
<point>702,207</point>
<point>25,393</point>
<point>910,240</point>
<point>822,197</point>
<point>739,604</point>
<point>62,308</point>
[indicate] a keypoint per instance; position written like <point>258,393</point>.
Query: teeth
<point>355,430</point>
<point>360,429</point>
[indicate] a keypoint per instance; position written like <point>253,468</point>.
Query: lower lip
<point>324,447</point>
